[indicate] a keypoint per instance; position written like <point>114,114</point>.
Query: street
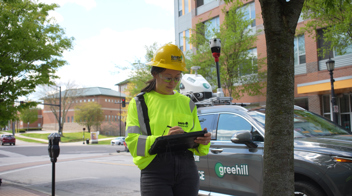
<point>80,170</point>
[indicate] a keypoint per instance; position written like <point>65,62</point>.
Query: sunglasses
<point>168,79</point>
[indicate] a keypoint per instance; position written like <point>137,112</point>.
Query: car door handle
<point>216,150</point>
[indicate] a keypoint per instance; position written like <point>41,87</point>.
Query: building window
<point>80,101</point>
<point>202,2</point>
<point>179,7</point>
<point>68,119</point>
<point>326,106</point>
<point>187,40</point>
<point>93,100</point>
<point>211,27</point>
<point>186,6</point>
<point>252,64</point>
<point>249,13</point>
<point>106,118</point>
<point>299,50</point>
<point>106,100</point>
<point>88,100</point>
<point>181,41</point>
<point>84,101</point>
<point>322,44</point>
<point>72,119</point>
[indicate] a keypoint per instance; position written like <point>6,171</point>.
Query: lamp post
<point>330,65</point>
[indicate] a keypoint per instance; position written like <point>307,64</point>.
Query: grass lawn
<point>30,140</point>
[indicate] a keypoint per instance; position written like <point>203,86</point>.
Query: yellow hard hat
<point>169,56</point>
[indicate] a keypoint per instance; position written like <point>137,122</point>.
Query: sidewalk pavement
<point>11,189</point>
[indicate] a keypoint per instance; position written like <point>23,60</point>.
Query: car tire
<point>13,144</point>
<point>304,188</point>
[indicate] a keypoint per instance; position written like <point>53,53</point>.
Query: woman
<point>170,173</point>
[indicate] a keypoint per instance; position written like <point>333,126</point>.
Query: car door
<point>208,121</point>
<point>234,168</point>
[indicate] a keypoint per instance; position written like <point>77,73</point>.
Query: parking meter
<point>54,148</point>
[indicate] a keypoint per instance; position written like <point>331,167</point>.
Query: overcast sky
<point>109,35</point>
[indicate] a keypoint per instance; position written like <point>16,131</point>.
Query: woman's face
<point>166,81</point>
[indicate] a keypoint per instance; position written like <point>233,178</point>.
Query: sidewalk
<point>11,189</point>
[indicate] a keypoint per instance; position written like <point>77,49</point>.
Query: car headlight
<point>342,159</point>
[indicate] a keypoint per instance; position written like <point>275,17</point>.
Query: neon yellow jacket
<point>163,110</point>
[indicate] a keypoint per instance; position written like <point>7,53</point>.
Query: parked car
<point>118,141</point>
<point>6,138</point>
<point>234,165</point>
<point>126,148</point>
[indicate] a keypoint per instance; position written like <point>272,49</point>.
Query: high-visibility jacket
<point>163,111</point>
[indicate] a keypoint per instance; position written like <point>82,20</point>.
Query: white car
<point>118,141</point>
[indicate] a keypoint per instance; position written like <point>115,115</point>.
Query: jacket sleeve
<point>137,140</point>
<point>202,150</point>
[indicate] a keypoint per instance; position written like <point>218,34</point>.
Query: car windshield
<point>306,124</point>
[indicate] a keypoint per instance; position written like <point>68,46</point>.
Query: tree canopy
<point>240,69</point>
<point>141,72</point>
<point>31,47</point>
<point>89,114</point>
<point>29,115</point>
<point>335,17</point>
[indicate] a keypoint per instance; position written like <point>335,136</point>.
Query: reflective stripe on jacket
<point>163,111</point>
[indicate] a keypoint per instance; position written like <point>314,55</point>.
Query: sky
<point>109,36</point>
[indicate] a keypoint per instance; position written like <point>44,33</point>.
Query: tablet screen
<point>174,143</point>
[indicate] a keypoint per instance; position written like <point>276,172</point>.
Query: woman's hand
<point>175,130</point>
<point>204,140</point>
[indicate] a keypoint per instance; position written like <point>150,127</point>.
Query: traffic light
<point>123,102</point>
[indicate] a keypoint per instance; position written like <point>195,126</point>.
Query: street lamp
<point>330,65</point>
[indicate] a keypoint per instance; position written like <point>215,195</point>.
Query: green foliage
<point>31,48</point>
<point>89,114</point>
<point>29,115</point>
<point>336,16</point>
<point>141,72</point>
<point>240,72</point>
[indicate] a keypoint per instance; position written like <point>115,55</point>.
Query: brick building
<point>312,80</point>
<point>108,99</point>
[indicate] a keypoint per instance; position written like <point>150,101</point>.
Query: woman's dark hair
<point>152,83</point>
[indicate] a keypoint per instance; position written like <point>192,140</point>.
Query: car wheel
<point>303,188</point>
<point>13,144</point>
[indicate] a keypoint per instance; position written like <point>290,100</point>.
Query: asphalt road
<point>80,169</point>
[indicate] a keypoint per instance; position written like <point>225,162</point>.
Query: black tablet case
<point>174,143</point>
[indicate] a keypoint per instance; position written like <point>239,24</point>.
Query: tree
<point>335,17</point>
<point>280,21</point>
<point>51,96</point>
<point>31,48</point>
<point>141,72</point>
<point>29,115</point>
<point>238,66</point>
<point>89,114</point>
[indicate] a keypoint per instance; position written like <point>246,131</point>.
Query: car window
<point>230,124</point>
<point>209,122</point>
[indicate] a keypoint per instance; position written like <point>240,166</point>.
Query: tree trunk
<point>280,20</point>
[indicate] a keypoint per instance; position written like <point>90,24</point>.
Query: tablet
<point>174,143</point>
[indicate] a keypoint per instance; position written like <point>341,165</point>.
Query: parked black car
<point>234,165</point>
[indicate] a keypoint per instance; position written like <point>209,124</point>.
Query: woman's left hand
<point>204,140</point>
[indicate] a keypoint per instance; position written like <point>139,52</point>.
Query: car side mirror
<point>244,137</point>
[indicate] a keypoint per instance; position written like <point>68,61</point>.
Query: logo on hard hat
<point>176,58</point>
